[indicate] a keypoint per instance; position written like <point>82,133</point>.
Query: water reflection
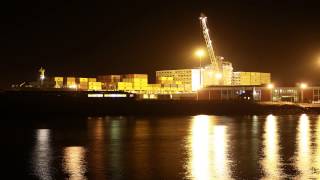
<point>208,150</point>
<point>74,163</point>
<point>271,161</point>
<point>142,149</point>
<point>303,154</point>
<point>317,151</point>
<point>115,148</point>
<point>97,148</point>
<point>42,155</point>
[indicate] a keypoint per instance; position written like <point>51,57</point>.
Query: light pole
<point>41,71</point>
<point>270,86</point>
<point>200,54</point>
<point>302,87</point>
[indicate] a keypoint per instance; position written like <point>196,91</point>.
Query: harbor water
<point>166,147</point>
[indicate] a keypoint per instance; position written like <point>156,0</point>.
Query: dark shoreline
<point>21,104</point>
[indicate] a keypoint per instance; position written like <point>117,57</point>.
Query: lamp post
<point>200,54</point>
<point>41,71</point>
<point>270,86</point>
<point>302,87</point>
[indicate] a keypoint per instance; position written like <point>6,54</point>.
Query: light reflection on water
<point>271,162</point>
<point>116,148</point>
<point>303,153</point>
<point>316,158</point>
<point>207,150</point>
<point>74,162</point>
<point>42,155</point>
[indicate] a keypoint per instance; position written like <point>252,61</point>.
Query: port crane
<point>215,61</point>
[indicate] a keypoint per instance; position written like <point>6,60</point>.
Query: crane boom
<point>214,60</point>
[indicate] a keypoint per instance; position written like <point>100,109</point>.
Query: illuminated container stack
<point>139,81</point>
<point>169,85</point>
<point>109,81</point>
<point>124,86</point>
<point>93,85</point>
<point>189,78</point>
<point>154,88</point>
<point>250,78</point>
<point>58,82</point>
<point>71,82</point>
<point>83,84</point>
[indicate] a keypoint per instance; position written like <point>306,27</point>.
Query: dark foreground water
<point>186,147</point>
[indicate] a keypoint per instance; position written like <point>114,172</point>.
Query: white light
<point>218,75</point>
<point>303,85</point>
<point>270,86</point>
<point>115,95</point>
<point>95,95</point>
<point>200,53</point>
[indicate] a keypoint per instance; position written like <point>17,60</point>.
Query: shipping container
<point>92,80</point>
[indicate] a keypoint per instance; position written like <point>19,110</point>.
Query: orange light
<point>303,85</point>
<point>270,86</point>
<point>200,53</point>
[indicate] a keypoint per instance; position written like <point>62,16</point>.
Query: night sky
<point>89,38</point>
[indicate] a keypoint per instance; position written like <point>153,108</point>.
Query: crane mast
<point>214,60</point>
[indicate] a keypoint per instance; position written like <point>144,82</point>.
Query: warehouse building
<point>261,93</point>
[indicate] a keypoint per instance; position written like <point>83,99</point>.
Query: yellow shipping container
<point>71,79</point>
<point>71,82</point>
<point>92,79</point>
<point>83,80</point>
<point>58,79</point>
<point>136,76</point>
<point>95,86</point>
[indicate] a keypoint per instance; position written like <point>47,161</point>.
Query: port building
<point>260,94</point>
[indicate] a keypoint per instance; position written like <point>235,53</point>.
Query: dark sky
<point>88,38</point>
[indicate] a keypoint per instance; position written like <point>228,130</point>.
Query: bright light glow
<point>42,77</point>
<point>95,95</point>
<point>318,61</point>
<point>74,162</point>
<point>271,161</point>
<point>270,86</point>
<point>200,53</point>
<point>303,85</point>
<point>218,75</point>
